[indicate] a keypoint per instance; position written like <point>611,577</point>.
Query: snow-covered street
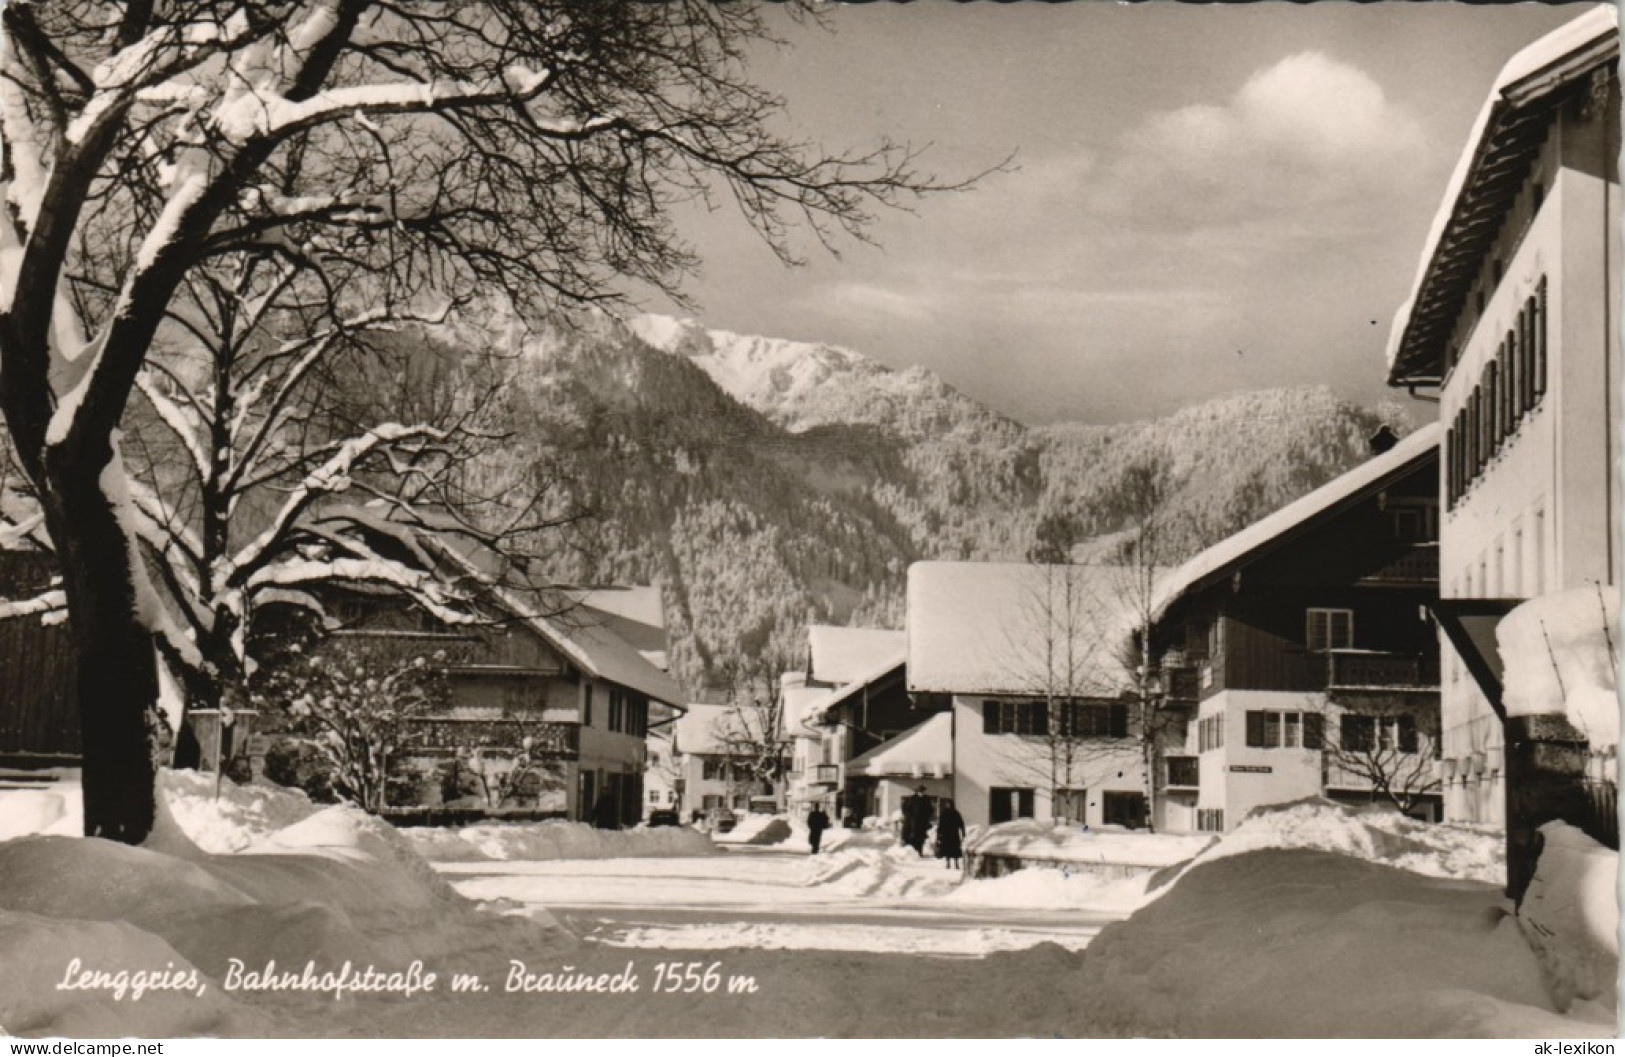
<point>782,898</point>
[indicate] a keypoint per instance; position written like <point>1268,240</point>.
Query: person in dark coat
<point>916,820</point>
<point>950,836</point>
<point>817,823</point>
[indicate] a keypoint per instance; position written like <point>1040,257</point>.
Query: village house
<point>1514,321</point>
<point>1314,656</point>
<point>1024,660</point>
<point>714,783</point>
<point>877,743</point>
<point>562,689</point>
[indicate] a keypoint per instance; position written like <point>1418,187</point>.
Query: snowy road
<point>851,900</point>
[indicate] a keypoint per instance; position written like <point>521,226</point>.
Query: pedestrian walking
<point>917,820</point>
<point>950,836</point>
<point>817,823</point>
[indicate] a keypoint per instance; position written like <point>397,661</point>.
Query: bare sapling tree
<point>429,154</point>
<point>1063,659</point>
<point>751,732</point>
<point>1387,744</point>
<point>1149,544</point>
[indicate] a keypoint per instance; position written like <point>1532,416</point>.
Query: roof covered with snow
<point>582,633</point>
<point>635,614</point>
<point>1018,629</point>
<point>923,751</point>
<point>1487,178</point>
<point>1370,476</point>
<point>800,704</point>
<point>843,655</point>
<point>853,690</point>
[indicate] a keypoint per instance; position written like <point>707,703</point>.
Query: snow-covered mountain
<point>765,482</point>
<point>801,385</point>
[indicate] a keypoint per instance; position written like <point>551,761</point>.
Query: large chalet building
<point>1314,656</point>
<point>1514,321</point>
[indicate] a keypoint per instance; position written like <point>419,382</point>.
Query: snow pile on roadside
<point>1054,889</point>
<point>507,841</point>
<point>336,886</point>
<point>1310,944</point>
<point>1570,915</point>
<point>879,872</point>
<point>755,829</point>
<point>1473,853</point>
<point>1558,651</point>
<point>1058,841</point>
<point>964,942</point>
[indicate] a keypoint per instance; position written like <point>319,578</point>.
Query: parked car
<point>664,817</point>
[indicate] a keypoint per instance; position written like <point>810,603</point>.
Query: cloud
<point>1309,147</point>
<point>872,301</point>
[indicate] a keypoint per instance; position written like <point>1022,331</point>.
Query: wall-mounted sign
<point>1251,768</point>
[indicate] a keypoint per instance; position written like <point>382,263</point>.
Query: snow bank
<point>1310,944</point>
<point>331,886</point>
<point>1475,853</point>
<point>506,841</point>
<point>879,873</point>
<point>1570,916</point>
<point>1558,651</point>
<point>1047,840</point>
<point>755,829</point>
<point>240,816</point>
<point>1056,889</point>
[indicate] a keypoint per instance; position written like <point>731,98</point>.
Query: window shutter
<point>1255,730</point>
<point>1119,721</point>
<point>1342,630</point>
<point>990,717</point>
<point>1313,723</point>
<point>1039,711</point>
<point>1024,803</point>
<point>1407,734</point>
<point>1540,340</point>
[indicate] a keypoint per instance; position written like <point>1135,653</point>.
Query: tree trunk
<point>113,655</point>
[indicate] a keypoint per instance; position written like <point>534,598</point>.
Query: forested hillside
<point>764,484</point>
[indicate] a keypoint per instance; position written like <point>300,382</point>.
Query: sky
<point>1203,199</point>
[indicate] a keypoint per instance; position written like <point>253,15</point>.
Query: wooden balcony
<point>1418,564</point>
<point>1368,670</point>
<point>826,774</point>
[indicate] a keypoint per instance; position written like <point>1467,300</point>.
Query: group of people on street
<point>918,813</point>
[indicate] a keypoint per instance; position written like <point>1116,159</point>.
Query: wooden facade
<point>39,716</point>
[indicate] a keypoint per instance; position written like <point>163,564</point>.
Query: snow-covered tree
<point>362,712</point>
<point>513,148</point>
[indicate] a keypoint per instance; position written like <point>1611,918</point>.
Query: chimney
<point>1383,440</point>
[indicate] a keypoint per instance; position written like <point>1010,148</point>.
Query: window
<point>586,704</point>
<point>1015,717</point>
<point>1210,733</point>
<point>654,796</point>
<point>1005,804</point>
<point>1363,733</point>
<point>628,712</point>
<point>1123,809</point>
<point>1210,819</point>
<point>715,769</point>
<point>1080,720</point>
<point>1284,730</point>
<point>1329,629</point>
